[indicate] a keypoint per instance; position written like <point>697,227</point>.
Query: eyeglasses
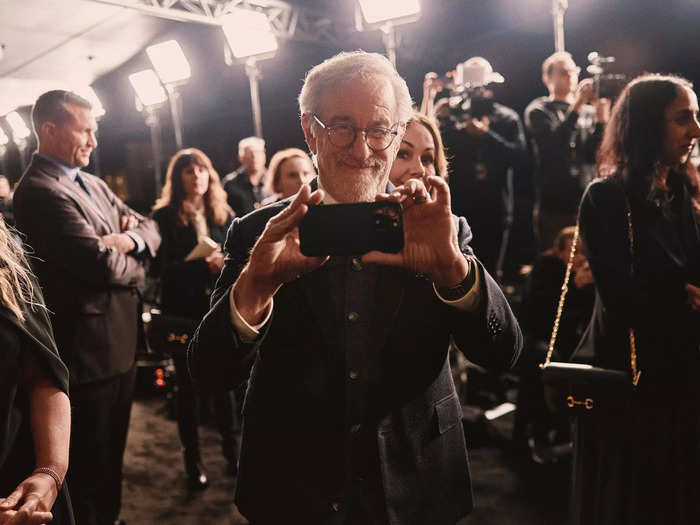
<point>344,135</point>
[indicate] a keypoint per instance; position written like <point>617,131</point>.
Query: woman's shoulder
<point>603,191</point>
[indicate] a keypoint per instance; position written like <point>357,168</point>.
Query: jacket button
<point>357,264</point>
<point>352,374</point>
<point>335,506</point>
<point>353,316</point>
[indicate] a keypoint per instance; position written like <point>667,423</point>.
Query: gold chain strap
<point>565,288</point>
<point>562,299</point>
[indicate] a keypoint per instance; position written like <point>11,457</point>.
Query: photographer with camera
<point>351,414</point>
<point>486,143</point>
<point>565,128</point>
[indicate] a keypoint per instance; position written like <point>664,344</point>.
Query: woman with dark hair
<point>640,461</point>
<point>289,169</point>
<point>34,407</point>
<point>192,207</point>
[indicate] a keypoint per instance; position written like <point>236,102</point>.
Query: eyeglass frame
<point>394,131</point>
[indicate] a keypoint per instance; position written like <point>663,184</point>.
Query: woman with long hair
<point>638,461</point>
<point>193,207</point>
<point>421,153</point>
<point>34,407</point>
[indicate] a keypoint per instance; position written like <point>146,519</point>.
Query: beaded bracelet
<point>50,472</point>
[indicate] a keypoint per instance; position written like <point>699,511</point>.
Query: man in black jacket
<point>351,415</point>
<point>566,128</point>
<point>245,186</point>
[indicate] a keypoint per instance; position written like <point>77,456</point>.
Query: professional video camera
<point>467,85</point>
<point>607,85</point>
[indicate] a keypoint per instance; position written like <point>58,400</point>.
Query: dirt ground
<point>505,492</point>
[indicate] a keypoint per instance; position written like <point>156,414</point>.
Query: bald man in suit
<point>90,251</point>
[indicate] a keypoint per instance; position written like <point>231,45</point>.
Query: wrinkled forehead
<point>360,98</point>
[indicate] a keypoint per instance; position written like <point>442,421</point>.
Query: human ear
<point>309,135</point>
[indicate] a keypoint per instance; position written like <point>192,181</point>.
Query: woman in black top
<point>640,462</point>
<point>192,206</point>
<point>34,406</point>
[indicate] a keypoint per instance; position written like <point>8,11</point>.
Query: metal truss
<point>287,21</point>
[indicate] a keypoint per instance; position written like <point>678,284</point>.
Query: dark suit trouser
<point>100,423</point>
<point>188,414</point>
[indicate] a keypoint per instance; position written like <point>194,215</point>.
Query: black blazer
<point>90,289</point>
<point>185,286</point>
<point>293,437</point>
<point>653,301</point>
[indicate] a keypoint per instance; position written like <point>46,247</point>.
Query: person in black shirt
<point>486,143</point>
<point>565,128</point>
<point>245,186</point>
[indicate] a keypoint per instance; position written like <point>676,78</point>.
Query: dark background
<point>514,35</point>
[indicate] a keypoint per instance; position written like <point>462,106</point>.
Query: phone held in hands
<point>351,229</point>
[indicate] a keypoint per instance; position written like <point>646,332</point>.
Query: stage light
<point>19,128</point>
<point>149,90</point>
<point>4,139</point>
<point>170,62</point>
<point>89,94</point>
<point>249,34</point>
<point>394,11</point>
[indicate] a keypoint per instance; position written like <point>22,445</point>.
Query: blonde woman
<point>34,406</point>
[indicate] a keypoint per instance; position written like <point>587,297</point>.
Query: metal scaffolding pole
<point>253,72</point>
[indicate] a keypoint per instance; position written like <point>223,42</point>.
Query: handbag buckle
<point>571,402</point>
<point>182,339</point>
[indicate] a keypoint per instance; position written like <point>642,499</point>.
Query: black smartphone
<point>351,229</point>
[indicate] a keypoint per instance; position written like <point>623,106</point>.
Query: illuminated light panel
<point>148,88</point>
<point>19,128</point>
<point>375,12</point>
<point>248,33</point>
<point>88,93</point>
<point>169,61</point>
<point>4,139</point>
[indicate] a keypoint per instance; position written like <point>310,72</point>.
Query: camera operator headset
<point>486,141</point>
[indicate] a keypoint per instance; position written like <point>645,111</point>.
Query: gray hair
<point>250,142</point>
<point>350,65</point>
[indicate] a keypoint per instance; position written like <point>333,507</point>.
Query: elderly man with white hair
<point>351,414</point>
<point>245,187</point>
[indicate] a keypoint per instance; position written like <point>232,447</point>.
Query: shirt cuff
<point>140,243</point>
<point>469,301</point>
<point>247,332</point>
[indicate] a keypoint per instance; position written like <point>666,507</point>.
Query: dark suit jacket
<point>185,286</point>
<point>295,435</point>
<point>90,289</point>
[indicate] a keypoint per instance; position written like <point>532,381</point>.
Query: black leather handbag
<point>168,334</point>
<point>580,388</point>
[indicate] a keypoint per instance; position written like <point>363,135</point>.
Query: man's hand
<point>119,241</point>
<point>215,262</point>
<point>693,297</point>
<point>128,222</point>
<point>275,258</point>
<point>585,94</point>
<point>30,503</point>
<point>478,127</point>
<point>430,239</point>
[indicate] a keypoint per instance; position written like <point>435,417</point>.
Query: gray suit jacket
<point>296,435</point>
<point>90,289</point>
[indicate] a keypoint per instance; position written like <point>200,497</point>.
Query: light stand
<point>559,7</point>
<point>172,69</point>
<point>250,39</point>
<point>150,96</point>
<point>253,72</point>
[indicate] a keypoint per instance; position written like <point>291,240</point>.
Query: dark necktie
<point>82,184</point>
